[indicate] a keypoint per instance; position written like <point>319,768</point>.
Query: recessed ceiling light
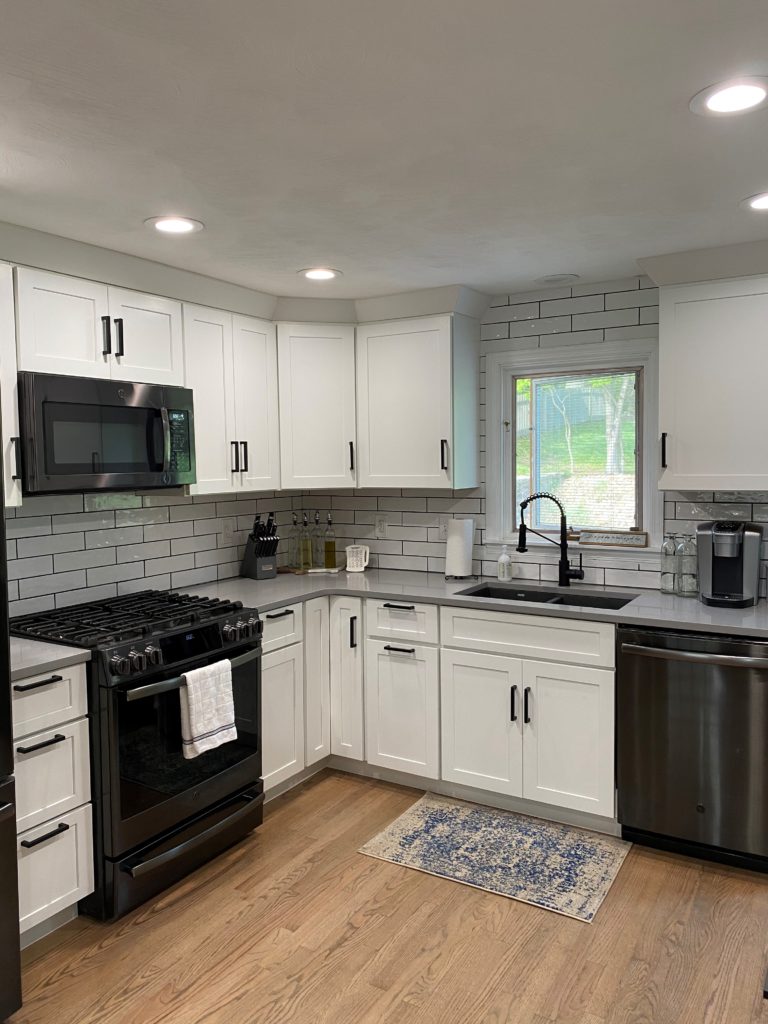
<point>734,97</point>
<point>558,279</point>
<point>758,202</point>
<point>320,273</point>
<point>175,225</point>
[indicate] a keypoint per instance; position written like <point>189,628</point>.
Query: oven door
<point>152,786</point>
<point>83,434</point>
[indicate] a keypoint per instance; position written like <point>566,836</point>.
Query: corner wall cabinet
<point>713,415</point>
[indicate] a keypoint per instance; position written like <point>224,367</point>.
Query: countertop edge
<point>59,656</point>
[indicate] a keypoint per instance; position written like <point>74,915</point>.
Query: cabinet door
<point>208,371</point>
<point>402,730</point>
<point>61,324</point>
<point>256,411</point>
<point>346,678</point>
<point>568,755</point>
<point>148,344</point>
<point>9,399</point>
<point>404,403</point>
<point>316,369</point>
<point>282,714</point>
<point>482,720</point>
<point>317,683</point>
<point>713,408</point>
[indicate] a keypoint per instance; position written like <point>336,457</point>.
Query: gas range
<point>140,633</point>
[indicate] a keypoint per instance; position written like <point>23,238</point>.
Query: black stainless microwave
<point>83,434</point>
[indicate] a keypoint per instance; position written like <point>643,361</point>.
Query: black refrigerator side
<point>10,968</point>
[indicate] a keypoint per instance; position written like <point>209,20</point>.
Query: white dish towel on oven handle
<point>207,709</point>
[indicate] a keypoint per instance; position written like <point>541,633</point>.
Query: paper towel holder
<point>460,534</point>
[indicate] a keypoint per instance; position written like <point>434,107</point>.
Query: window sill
<point>603,550</point>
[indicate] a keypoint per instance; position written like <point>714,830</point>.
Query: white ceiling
<point>411,143</point>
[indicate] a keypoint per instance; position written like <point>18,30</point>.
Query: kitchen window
<point>581,424</point>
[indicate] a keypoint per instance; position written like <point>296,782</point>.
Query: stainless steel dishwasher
<point>692,743</point>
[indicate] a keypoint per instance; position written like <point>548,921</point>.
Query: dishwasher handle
<point>694,657</point>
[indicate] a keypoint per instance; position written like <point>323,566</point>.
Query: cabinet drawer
<point>402,620</point>
<point>282,626</point>
<point>575,641</point>
<point>55,866</point>
<point>43,701</point>
<point>52,773</point>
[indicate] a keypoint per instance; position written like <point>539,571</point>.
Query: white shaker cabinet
<point>346,677</point>
<point>402,728</point>
<point>418,395</point>
<point>317,682</point>
<point>9,399</point>
<point>316,369</point>
<point>282,714</point>
<point>230,363</point>
<point>482,721</point>
<point>713,415</point>
<point>568,736</point>
<point>147,343</point>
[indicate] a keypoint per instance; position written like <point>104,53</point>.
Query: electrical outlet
<point>228,529</point>
<point>444,520</point>
<point>380,523</point>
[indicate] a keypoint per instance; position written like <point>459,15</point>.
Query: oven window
<point>152,767</point>
<point>82,439</point>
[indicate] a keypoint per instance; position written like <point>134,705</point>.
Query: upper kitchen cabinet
<point>418,396</point>
<point>316,369</point>
<point>82,328</point>
<point>9,404</point>
<point>713,415</point>
<point>230,363</point>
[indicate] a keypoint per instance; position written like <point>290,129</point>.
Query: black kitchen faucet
<point>565,572</point>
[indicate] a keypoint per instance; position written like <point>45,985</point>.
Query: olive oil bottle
<point>329,545</point>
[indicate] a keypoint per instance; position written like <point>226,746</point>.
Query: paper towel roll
<point>458,547</point>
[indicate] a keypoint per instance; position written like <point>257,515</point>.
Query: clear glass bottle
<point>669,565</point>
<point>687,567</point>
<point>329,545</point>
<point>292,545</point>
<point>505,564</point>
<point>316,533</point>
<point>305,545</point>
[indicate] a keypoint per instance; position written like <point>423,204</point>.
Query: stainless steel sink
<point>574,599</point>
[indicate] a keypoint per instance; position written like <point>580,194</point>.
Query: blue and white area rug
<point>557,867</point>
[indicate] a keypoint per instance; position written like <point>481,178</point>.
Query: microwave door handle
<point>166,439</point>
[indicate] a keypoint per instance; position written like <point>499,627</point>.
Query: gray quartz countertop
<point>33,657</point>
<point>648,607</point>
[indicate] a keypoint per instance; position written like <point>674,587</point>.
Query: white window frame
<point>501,368</point>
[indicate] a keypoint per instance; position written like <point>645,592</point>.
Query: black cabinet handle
<point>664,450</point>
<point>353,632</point>
<point>120,343</point>
<point>352,456</point>
<point>513,703</point>
<point>280,615</point>
<point>24,687</point>
<point>106,336</point>
<point>400,607</point>
<point>58,738</point>
<point>400,650</point>
<point>443,454</point>
<point>16,442</point>
<point>244,450</point>
<point>29,843</point>
<point>526,706</point>
<point>236,456</point>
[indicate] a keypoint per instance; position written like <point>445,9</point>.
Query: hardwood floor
<point>293,925</point>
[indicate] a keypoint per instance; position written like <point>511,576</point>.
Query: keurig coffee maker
<point>729,563</point>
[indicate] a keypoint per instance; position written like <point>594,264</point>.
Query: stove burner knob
<point>230,632</point>
<point>243,630</point>
<point>153,655</point>
<point>138,661</point>
<point>255,625</point>
<point>120,665</point>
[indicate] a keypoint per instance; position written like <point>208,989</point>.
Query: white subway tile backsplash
<point>115,573</point>
<point>580,304</point>
<point>491,332</point>
<point>610,318</point>
<point>49,545</point>
<point>625,300</point>
<point>111,538</point>
<point>83,559</point>
<point>550,325</point>
<point>45,505</point>
<point>141,516</point>
<point>519,311</point>
<point>21,568</point>
<point>53,584</point>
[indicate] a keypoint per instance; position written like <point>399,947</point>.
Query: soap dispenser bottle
<point>505,565</point>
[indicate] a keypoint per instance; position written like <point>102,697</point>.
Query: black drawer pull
<point>353,632</point>
<point>29,843</point>
<point>235,445</point>
<point>16,442</point>
<point>352,456</point>
<point>120,344</point>
<point>25,687</point>
<point>279,615</point>
<point>526,705</point>
<point>106,332</point>
<point>400,607</point>
<point>664,450</point>
<point>400,650</point>
<point>513,703</point>
<point>58,738</point>
<point>244,450</point>
<point>443,454</point>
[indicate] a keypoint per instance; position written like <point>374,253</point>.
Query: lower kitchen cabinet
<point>568,746</point>
<point>402,729</point>
<point>317,681</point>
<point>346,678</point>
<point>482,721</point>
<point>282,714</point>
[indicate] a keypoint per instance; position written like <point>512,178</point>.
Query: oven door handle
<point>146,867</point>
<point>166,439</point>
<point>178,681</point>
<point>697,657</point>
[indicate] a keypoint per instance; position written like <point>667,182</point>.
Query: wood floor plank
<point>294,926</point>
